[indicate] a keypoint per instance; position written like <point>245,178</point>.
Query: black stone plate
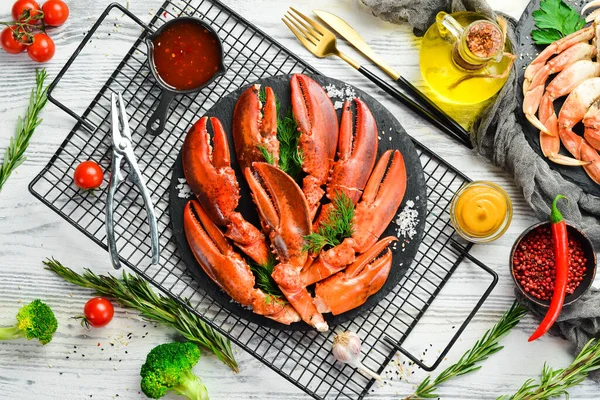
<point>528,48</point>
<point>415,192</point>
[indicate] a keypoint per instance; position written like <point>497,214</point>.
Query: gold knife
<point>347,32</point>
<point>344,29</point>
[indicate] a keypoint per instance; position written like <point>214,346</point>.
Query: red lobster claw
<point>356,156</point>
<point>284,213</point>
<point>253,129</point>
<point>318,125</point>
<point>213,181</point>
<point>351,288</point>
<point>226,267</point>
<point>379,203</point>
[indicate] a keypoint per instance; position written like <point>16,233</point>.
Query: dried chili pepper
<point>561,263</point>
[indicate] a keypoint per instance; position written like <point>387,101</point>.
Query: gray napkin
<point>498,136</point>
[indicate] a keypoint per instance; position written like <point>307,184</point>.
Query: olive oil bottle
<point>464,57</point>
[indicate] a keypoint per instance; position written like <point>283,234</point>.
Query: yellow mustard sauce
<point>480,211</point>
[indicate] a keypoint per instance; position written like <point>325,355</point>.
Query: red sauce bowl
<point>189,46</point>
<point>588,252</point>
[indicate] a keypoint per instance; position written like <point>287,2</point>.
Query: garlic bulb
<point>346,349</point>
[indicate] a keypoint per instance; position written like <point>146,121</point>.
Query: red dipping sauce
<point>186,55</point>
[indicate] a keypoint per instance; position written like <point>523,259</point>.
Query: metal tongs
<point>123,148</point>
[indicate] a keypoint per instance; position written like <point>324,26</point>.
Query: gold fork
<point>323,43</point>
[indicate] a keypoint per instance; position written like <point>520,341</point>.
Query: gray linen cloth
<point>497,135</point>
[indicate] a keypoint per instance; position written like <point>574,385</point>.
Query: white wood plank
<point>30,232</point>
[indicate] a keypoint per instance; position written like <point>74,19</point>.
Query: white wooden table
<point>82,364</point>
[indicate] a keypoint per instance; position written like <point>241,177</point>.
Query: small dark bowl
<point>588,251</point>
<point>156,123</point>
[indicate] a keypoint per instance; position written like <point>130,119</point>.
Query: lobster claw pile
<point>336,158</point>
<point>575,61</point>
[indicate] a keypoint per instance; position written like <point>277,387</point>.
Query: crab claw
<point>226,267</point>
<point>211,178</point>
<point>318,125</point>
<point>351,288</point>
<point>357,152</point>
<point>284,213</point>
<point>254,130</point>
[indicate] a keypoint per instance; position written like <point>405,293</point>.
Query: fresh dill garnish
<point>337,227</point>
<point>265,153</point>
<point>262,95</point>
<point>264,281</point>
<point>290,158</point>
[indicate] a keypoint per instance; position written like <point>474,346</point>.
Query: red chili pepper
<point>561,262</point>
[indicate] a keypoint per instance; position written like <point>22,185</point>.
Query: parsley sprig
<point>15,152</point>
<point>483,348</point>
<point>554,20</point>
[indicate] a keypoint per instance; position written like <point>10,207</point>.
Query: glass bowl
<point>491,236</point>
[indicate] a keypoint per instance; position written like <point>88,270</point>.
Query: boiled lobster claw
<point>284,213</point>
<point>350,288</point>
<point>379,203</point>
<point>227,268</point>
<point>318,125</point>
<point>357,152</point>
<point>213,181</point>
<point>254,129</point>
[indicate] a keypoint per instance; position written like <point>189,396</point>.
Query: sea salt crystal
<point>346,93</point>
<point>407,221</point>
<point>338,104</point>
<point>184,190</point>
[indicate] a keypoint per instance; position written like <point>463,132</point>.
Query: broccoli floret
<point>169,367</point>
<point>34,321</point>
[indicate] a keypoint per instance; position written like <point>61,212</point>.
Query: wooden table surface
<point>102,363</point>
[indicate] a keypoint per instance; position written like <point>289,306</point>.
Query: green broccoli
<point>169,367</point>
<point>34,321</point>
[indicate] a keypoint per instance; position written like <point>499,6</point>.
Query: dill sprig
<point>264,281</point>
<point>134,292</point>
<point>337,227</point>
<point>290,157</point>
<point>15,152</point>
<point>481,350</point>
<point>556,382</point>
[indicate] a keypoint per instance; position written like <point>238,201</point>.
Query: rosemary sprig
<point>264,281</point>
<point>483,348</point>
<point>556,382</point>
<point>15,152</point>
<point>335,228</point>
<point>134,292</point>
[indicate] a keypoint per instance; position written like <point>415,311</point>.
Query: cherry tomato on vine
<point>42,48</point>
<point>9,43</point>
<point>88,175</point>
<point>21,5</point>
<point>56,12</point>
<point>98,312</point>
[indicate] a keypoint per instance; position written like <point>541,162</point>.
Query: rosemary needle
<point>15,152</point>
<point>483,348</point>
<point>134,292</point>
<point>556,382</point>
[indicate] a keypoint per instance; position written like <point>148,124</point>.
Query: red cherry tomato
<point>21,5</point>
<point>88,175</point>
<point>42,48</point>
<point>9,43</point>
<point>56,12</point>
<point>98,312</point>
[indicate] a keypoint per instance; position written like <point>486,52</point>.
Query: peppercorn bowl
<point>532,261</point>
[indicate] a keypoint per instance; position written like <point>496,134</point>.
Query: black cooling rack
<point>303,358</point>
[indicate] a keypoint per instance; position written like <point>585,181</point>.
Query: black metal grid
<point>303,358</point>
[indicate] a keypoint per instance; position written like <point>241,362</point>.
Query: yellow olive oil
<point>441,72</point>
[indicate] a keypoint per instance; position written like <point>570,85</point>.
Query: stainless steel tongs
<point>123,148</point>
